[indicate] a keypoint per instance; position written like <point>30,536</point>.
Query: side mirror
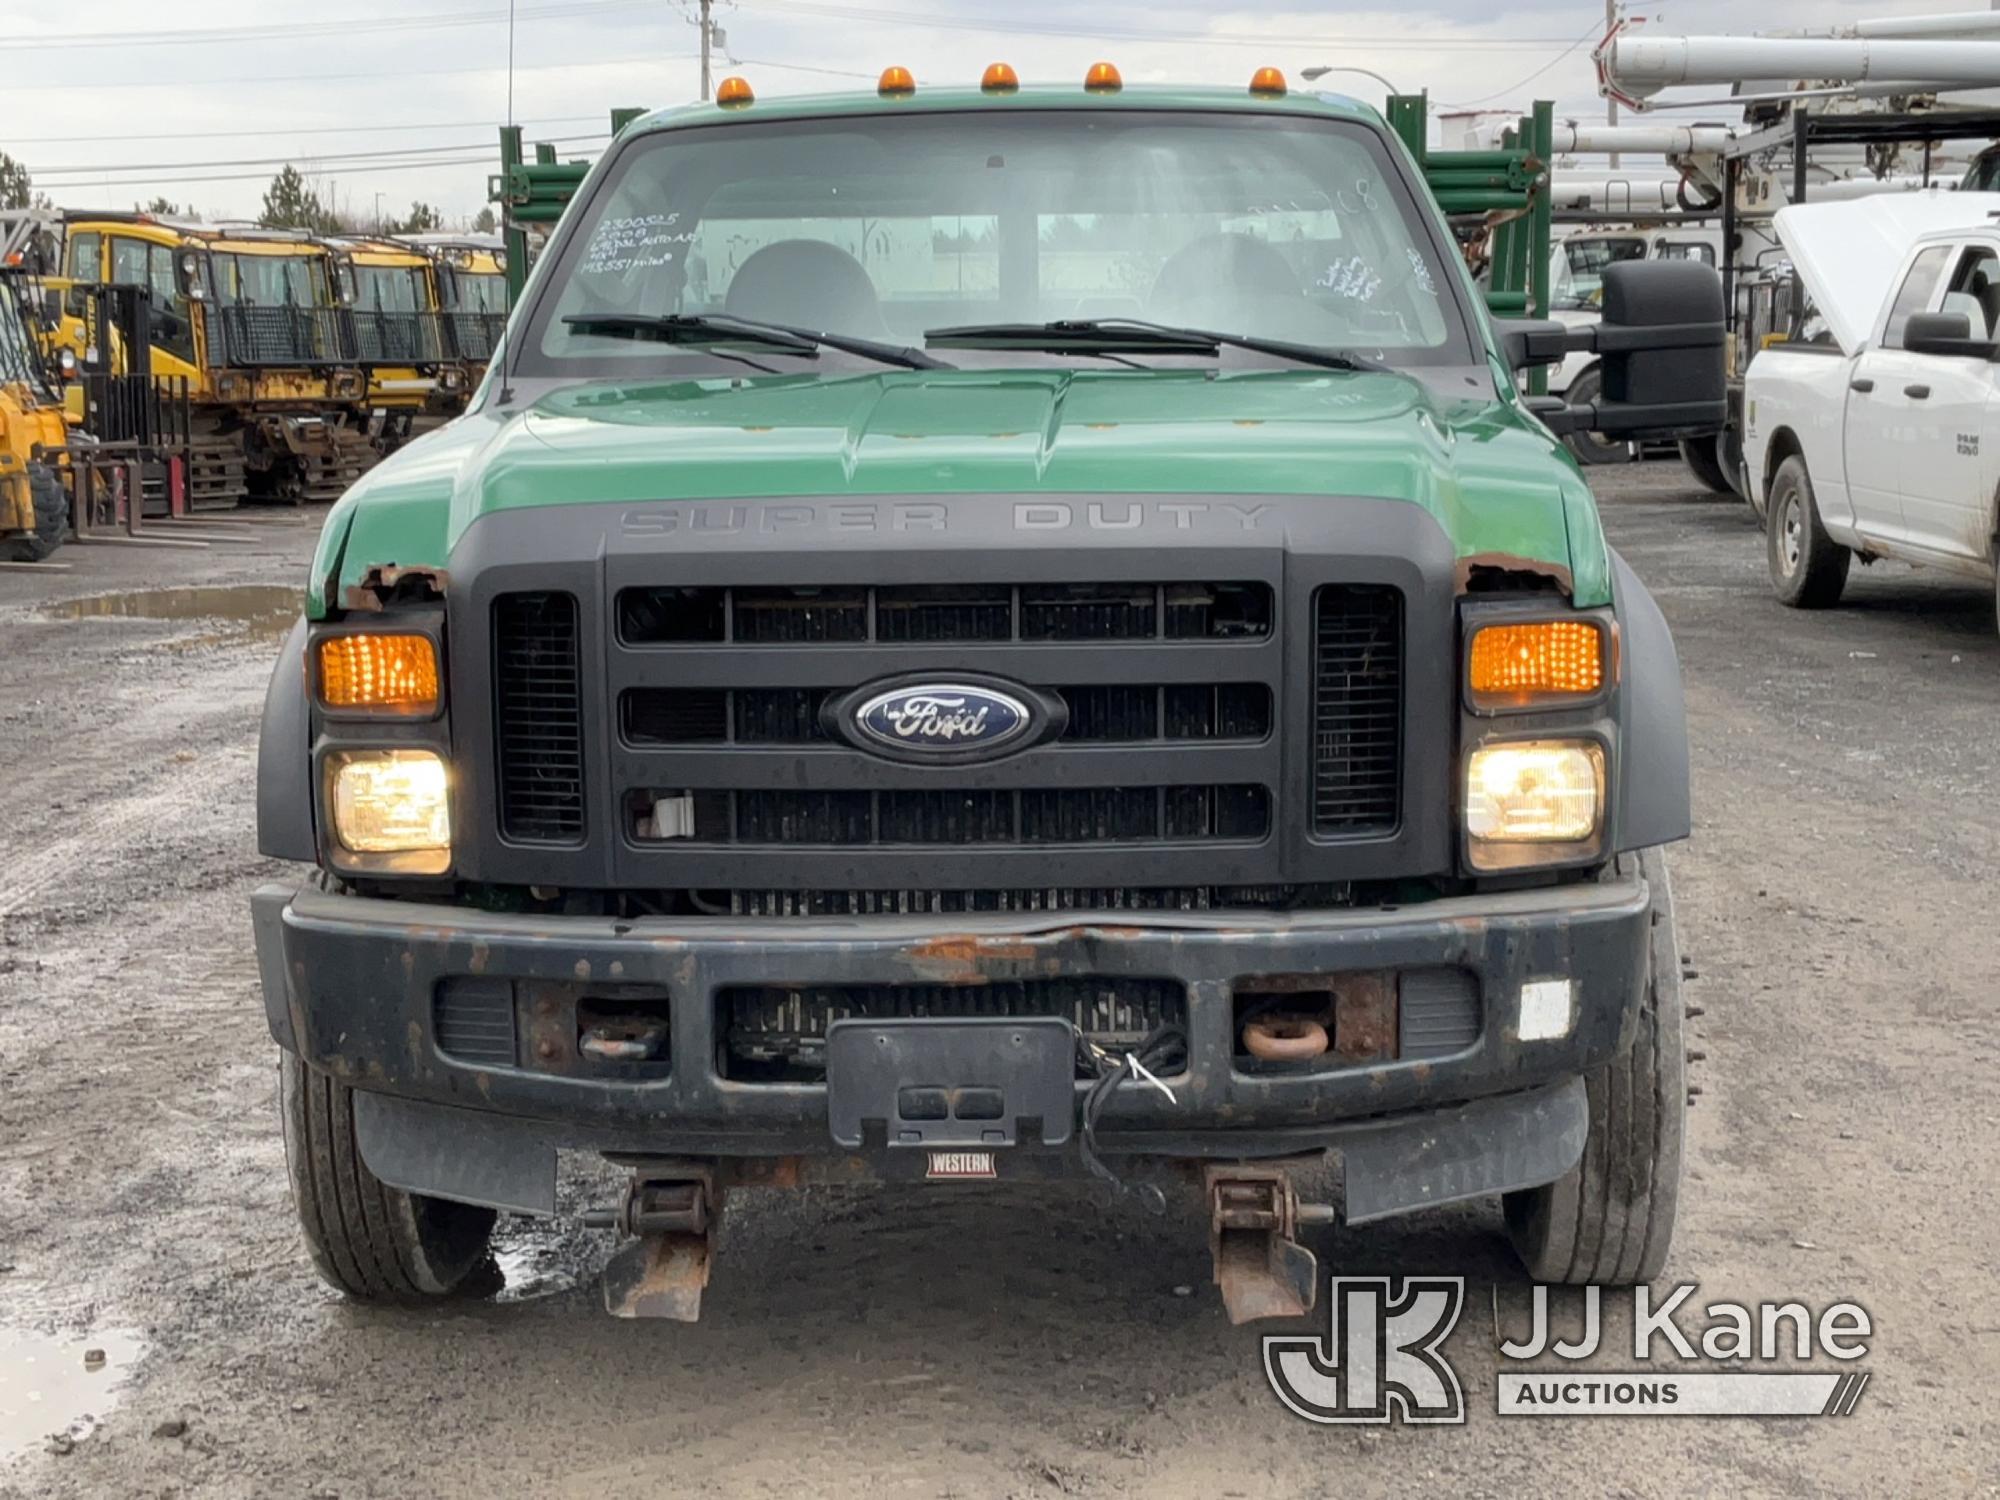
<point>1527,342</point>
<point>52,307</point>
<point>1944,333</point>
<point>1661,347</point>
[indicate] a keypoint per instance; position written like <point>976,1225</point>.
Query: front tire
<point>1808,567</point>
<point>1593,447</point>
<point>1610,1220</point>
<point>1703,456</point>
<point>373,1242</point>
<point>51,508</point>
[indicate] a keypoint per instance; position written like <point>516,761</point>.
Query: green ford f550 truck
<point>991,634</point>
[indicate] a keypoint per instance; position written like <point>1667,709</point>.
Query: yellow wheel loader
<point>34,505</point>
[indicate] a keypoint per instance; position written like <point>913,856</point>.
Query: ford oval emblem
<point>942,721</point>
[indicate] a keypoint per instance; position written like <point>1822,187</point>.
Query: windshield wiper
<point>1134,335</point>
<point>705,328</point>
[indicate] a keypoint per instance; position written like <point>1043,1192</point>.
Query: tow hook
<point>1253,1218</point>
<point>661,1271</point>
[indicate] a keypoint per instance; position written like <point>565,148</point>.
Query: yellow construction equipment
<point>390,291</point>
<point>248,317</point>
<point>34,506</point>
<point>471,277</point>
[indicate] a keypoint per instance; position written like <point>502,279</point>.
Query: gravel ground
<point>1835,910</point>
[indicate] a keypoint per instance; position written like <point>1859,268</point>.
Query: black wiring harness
<point>1163,1051</point>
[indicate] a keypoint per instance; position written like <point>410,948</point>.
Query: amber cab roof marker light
<point>896,83</point>
<point>1269,81</point>
<point>1103,78</point>
<point>734,92</point>
<point>999,78</point>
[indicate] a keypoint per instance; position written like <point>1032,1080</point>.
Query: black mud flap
<point>951,1083</point>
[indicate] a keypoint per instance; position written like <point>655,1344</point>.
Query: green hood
<point>1495,480</point>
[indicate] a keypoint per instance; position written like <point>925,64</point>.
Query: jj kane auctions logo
<point>1382,1358</point>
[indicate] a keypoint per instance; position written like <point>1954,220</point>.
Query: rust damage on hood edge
<point>1503,572</point>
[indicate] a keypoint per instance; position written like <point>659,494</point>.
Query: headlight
<point>1540,663</point>
<point>1544,796</point>
<point>392,808</point>
<point>372,672</point>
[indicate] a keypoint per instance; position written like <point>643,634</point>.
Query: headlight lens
<point>393,674</point>
<point>392,802</point>
<point>1519,666</point>
<point>1536,792</point>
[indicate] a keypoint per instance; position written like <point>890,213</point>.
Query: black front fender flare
<point>284,759</point>
<point>1653,802</point>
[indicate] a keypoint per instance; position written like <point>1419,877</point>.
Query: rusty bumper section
<point>355,987</point>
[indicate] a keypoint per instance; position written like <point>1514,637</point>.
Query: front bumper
<point>349,985</point>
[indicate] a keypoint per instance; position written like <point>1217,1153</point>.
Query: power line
<point>1148,34</point>
<point>237,134</point>
<point>239,82</point>
<point>326,158</point>
<point>1590,31</point>
<point>299,30</point>
<point>762,62</point>
<point>166,179</point>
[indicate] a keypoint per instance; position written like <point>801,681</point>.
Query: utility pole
<point>707,27</point>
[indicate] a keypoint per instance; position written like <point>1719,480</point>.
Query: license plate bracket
<point>934,1082</point>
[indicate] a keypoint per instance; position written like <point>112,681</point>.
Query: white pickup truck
<point>1874,431</point>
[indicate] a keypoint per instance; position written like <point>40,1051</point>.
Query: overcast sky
<point>130,98</point>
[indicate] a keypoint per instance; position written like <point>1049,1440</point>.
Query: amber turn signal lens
<point>1000,79</point>
<point>1102,78</point>
<point>734,91</point>
<point>1517,664</point>
<point>895,83</point>
<point>1267,81</point>
<point>390,673</point>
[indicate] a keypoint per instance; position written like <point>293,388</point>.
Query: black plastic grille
<point>1054,815</point>
<point>1357,708</point>
<point>539,717</point>
<point>473,1020</point>
<point>946,612</point>
<point>773,1031</point>
<point>1099,713</point>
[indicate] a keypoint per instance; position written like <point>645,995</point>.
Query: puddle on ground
<point>56,1387</point>
<point>254,609</point>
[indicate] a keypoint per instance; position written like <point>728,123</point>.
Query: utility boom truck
<point>1001,633</point>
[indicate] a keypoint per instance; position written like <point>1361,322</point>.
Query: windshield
<point>18,365</point>
<point>479,291</point>
<point>882,227</point>
<point>271,280</point>
<point>391,289</point>
<point>1580,268</point>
